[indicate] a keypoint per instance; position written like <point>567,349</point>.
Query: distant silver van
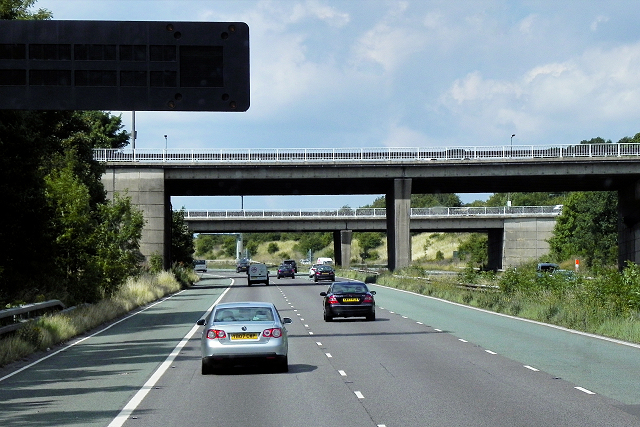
<point>257,273</point>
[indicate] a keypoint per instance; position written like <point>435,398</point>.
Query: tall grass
<point>53,329</point>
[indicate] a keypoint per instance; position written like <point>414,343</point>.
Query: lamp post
<point>165,143</point>
<point>510,155</point>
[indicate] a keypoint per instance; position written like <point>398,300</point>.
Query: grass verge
<point>573,307</point>
<point>53,329</point>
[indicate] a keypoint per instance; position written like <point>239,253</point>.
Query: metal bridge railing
<point>375,212</point>
<point>389,154</point>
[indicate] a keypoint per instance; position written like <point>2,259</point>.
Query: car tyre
<point>315,279</point>
<point>283,365</point>
<point>371,317</point>
<point>327,316</point>
<point>207,369</point>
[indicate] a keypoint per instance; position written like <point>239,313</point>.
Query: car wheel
<point>315,279</point>
<point>249,283</point>
<point>278,277</point>
<point>283,365</point>
<point>206,368</point>
<point>371,317</point>
<point>327,316</point>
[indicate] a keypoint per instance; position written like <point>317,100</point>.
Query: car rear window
<point>243,314</point>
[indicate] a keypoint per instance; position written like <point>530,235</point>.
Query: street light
<point>165,143</point>
<point>511,139</point>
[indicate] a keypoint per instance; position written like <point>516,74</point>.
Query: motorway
<point>423,362</point>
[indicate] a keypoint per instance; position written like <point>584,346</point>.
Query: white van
<point>324,261</point>
<point>257,273</point>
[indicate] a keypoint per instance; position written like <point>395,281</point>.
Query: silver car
<point>244,333</point>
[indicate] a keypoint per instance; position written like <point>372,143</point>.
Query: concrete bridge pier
<point>629,225</point>
<point>342,247</point>
<point>495,248</point>
<point>398,204</point>
<point>146,189</point>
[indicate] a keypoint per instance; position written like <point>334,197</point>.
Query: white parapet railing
<point>502,211</point>
<point>382,154</point>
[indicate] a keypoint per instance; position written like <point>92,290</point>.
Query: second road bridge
<point>516,234</point>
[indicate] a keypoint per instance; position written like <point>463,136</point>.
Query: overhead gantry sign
<point>124,65</point>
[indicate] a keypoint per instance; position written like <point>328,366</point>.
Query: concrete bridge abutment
<point>146,188</point>
<point>629,225</point>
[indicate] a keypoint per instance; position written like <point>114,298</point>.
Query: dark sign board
<point>124,65</point>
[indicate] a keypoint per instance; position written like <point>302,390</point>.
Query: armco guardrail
<point>13,318</point>
<point>375,212</point>
<point>381,154</point>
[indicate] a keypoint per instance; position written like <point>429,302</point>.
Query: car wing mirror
<point>287,320</point>
<point>372,292</point>
<point>323,294</point>
<point>201,322</point>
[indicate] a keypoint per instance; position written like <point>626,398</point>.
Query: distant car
<point>547,267</point>
<point>242,265</point>
<point>324,272</point>
<point>285,270</point>
<point>348,299</point>
<point>258,273</point>
<point>200,265</point>
<point>312,270</point>
<point>291,263</point>
<point>244,333</point>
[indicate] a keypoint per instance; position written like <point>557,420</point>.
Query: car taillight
<point>216,333</point>
<point>368,298</point>
<point>333,300</point>
<point>272,333</point>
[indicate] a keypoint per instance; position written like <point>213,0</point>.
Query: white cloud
<point>600,86</point>
<point>596,23</point>
<point>318,10</point>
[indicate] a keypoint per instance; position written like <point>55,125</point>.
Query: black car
<point>349,299</point>
<point>242,265</point>
<point>285,270</point>
<point>324,272</point>
<point>292,264</point>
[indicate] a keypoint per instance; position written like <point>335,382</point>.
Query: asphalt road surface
<point>423,362</point>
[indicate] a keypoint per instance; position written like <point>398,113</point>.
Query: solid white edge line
<point>535,322</point>
<point>128,409</point>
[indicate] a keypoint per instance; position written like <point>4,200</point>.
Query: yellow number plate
<point>350,299</point>
<point>244,336</point>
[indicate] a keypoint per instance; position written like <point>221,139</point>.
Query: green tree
<point>20,9</point>
<point>182,245</point>
<point>205,243</point>
<point>272,248</point>
<point>118,242</point>
<point>527,199</point>
<point>73,223</point>
<point>475,249</point>
<point>368,241</point>
<point>587,229</point>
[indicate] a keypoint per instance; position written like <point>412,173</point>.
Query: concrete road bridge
<point>151,177</point>
<point>516,234</point>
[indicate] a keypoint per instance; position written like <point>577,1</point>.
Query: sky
<point>413,73</point>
